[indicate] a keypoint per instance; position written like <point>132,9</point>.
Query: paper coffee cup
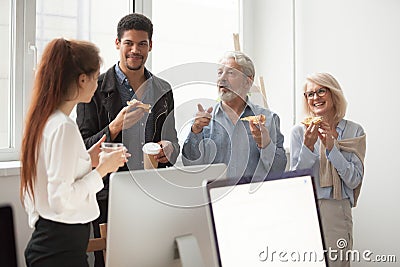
<point>149,150</point>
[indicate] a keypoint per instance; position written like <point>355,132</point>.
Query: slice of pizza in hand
<point>255,119</point>
<point>312,120</point>
<point>146,107</point>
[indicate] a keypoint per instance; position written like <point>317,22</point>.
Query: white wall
<point>268,41</point>
<point>358,42</point>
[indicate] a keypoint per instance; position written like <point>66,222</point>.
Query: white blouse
<point>66,186</point>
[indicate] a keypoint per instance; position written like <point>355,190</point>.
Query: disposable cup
<point>110,147</point>
<point>149,150</point>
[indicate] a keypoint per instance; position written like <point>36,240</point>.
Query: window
<point>81,19</point>
<point>25,29</point>
<point>190,36</point>
<point>187,31</point>
<point>92,20</point>
<point>5,67</point>
<point>11,77</point>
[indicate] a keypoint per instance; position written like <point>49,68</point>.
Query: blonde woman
<point>334,149</point>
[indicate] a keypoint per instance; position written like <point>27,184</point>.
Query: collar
<point>121,77</point>
<point>340,127</point>
<point>249,106</point>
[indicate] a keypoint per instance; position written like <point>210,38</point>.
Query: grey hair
<point>246,64</point>
<point>328,81</point>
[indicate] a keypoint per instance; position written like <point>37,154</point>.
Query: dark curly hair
<point>137,22</point>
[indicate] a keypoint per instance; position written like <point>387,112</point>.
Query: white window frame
<point>23,60</point>
<point>21,65</point>
<point>145,7</point>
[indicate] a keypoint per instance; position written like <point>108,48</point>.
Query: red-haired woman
<point>58,184</point>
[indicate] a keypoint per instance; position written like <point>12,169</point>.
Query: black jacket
<point>94,118</point>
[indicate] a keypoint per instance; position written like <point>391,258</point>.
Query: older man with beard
<point>218,135</point>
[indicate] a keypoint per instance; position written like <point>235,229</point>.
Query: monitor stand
<point>188,250</point>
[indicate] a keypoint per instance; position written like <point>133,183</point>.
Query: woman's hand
<point>95,150</point>
<point>327,135</point>
<point>111,161</point>
<point>311,136</point>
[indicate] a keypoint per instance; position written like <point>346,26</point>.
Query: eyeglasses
<point>320,92</point>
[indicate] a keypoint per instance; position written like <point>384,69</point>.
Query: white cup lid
<point>151,148</point>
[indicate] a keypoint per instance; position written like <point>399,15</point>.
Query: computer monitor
<point>158,218</point>
<point>8,255</point>
<point>275,225</point>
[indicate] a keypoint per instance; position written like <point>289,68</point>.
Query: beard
<point>129,67</point>
<point>133,67</point>
<point>227,96</point>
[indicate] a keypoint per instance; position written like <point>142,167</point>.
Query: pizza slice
<point>146,107</point>
<point>255,119</point>
<point>312,120</point>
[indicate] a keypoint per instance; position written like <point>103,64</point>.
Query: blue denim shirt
<point>348,165</point>
<point>224,142</point>
<point>125,90</point>
<point>134,138</point>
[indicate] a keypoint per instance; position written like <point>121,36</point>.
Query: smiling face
<point>320,105</point>
<point>134,48</point>
<point>232,83</point>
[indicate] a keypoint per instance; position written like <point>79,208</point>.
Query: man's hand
<point>166,151</point>
<point>202,119</point>
<point>126,118</point>
<point>260,134</point>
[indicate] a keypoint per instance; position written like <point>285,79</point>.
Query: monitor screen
<point>149,210</point>
<point>8,256</point>
<point>272,223</point>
